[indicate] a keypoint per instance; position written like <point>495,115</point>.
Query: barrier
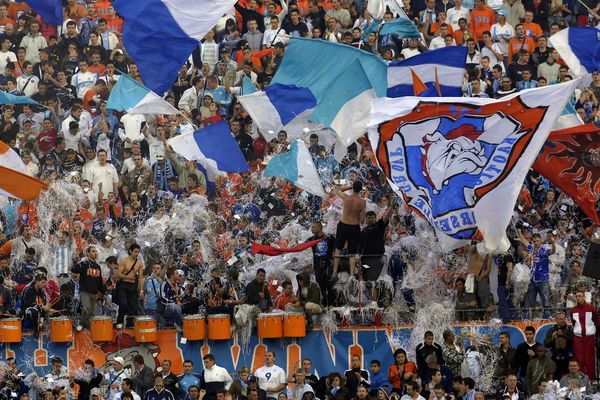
<point>327,353</point>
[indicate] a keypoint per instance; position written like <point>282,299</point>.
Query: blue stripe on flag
<point>585,44</point>
<point>408,90</point>
<point>284,165</point>
<point>452,56</point>
<point>126,94</point>
<point>289,100</point>
<point>217,143</point>
<point>159,49</point>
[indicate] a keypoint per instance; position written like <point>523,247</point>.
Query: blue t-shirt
<point>540,271</point>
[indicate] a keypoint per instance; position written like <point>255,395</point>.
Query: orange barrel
<point>294,324</point>
<point>10,330</point>
<point>270,326</point>
<point>194,327</point>
<point>144,330</point>
<point>219,327</point>
<point>101,329</point>
<point>61,330</point>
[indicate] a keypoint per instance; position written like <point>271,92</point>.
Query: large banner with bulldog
<point>460,162</point>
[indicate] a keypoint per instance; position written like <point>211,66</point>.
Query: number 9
<point>268,375</point>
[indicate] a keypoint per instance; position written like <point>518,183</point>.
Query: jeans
<point>543,289</point>
<point>173,311</point>
<point>504,304</point>
<point>397,270</point>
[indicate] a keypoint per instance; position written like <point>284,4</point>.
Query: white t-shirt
<point>453,15</point>
<point>408,52</point>
<point>72,141</point>
<point>83,81</point>
<point>107,175</point>
<point>437,43</point>
<point>270,377</point>
<point>5,58</point>
<point>132,128</point>
<point>489,53</point>
<point>506,31</point>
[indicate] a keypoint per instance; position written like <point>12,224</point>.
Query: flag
<point>258,248</point>
<point>215,150</point>
<point>50,10</point>
<point>402,27</point>
<point>448,63</point>
<point>568,118</point>
<point>570,159</point>
<point>7,98</point>
<point>346,106</point>
<point>579,48</point>
<point>297,167</point>
<point>14,180</point>
<point>377,8</point>
<point>247,86</point>
<point>160,35</point>
<point>460,163</point>
<point>280,107</point>
<point>299,93</point>
<point>131,96</point>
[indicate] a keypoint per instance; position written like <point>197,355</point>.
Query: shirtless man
<point>130,284</point>
<point>479,266</point>
<point>348,229</point>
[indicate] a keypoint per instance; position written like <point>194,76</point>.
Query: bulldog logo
<point>445,157</point>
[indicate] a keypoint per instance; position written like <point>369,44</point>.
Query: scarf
<point>162,173</point>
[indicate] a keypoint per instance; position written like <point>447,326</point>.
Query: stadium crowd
<point>92,263</point>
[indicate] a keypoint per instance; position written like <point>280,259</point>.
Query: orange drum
<point>101,329</point>
<point>270,326</point>
<point>61,330</point>
<point>10,330</point>
<point>194,327</point>
<point>294,325</point>
<point>144,329</point>
<point>219,327</point>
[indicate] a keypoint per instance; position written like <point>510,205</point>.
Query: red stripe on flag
<point>258,248</point>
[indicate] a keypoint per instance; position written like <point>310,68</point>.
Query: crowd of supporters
<point>92,263</point>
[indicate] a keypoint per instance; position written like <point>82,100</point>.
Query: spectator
<point>159,392</point>
<point>585,322</point>
<point>271,378</point>
<point>356,376</point>
<point>575,373</point>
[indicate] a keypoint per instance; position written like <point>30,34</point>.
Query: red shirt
<point>46,140</point>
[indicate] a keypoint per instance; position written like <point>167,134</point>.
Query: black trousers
<point>127,299</point>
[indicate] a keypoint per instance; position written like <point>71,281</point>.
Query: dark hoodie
<point>314,293</point>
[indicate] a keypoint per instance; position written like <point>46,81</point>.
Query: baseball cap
<point>120,360</point>
<point>252,378</point>
<point>160,155</point>
<point>502,12</point>
<point>95,392</point>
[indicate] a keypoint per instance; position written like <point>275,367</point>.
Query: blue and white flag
<point>215,150</point>
<point>297,167</point>
<point>403,27</point>
<point>50,10</point>
<point>460,162</point>
<point>131,96</point>
<point>7,98</point>
<point>294,94</point>
<point>160,35</point>
<point>579,48</point>
<point>247,86</point>
<point>346,106</point>
<point>280,107</point>
<point>447,62</point>
<point>568,118</point>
